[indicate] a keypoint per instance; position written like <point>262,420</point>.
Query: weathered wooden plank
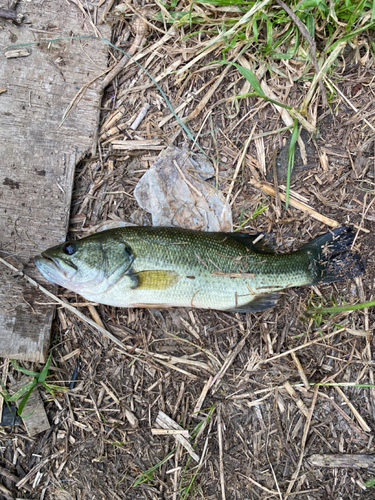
<point>37,158</point>
<point>35,417</point>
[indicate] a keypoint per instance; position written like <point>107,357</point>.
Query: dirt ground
<point>263,423</point>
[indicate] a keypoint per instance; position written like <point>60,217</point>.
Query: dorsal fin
<point>261,246</point>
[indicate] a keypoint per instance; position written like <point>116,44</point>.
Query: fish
<point>157,267</point>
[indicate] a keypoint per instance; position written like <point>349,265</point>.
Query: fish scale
<point>199,256</point>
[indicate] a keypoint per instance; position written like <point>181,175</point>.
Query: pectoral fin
<point>155,280</point>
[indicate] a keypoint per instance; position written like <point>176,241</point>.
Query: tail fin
<point>331,258</point>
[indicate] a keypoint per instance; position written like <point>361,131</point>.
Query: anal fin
<point>258,304</point>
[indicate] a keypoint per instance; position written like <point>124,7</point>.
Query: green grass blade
<point>21,392</point>
<point>43,375</point>
<point>7,395</point>
<point>337,309</point>
<point>145,476</point>
<point>22,405</point>
<point>23,370</point>
<point>370,483</point>
<point>51,388</point>
<point>248,74</point>
<point>355,14</point>
<point>351,35</point>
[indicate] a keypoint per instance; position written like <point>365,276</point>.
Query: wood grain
<point>38,159</point>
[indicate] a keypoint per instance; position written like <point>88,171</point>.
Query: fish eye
<point>69,249</point>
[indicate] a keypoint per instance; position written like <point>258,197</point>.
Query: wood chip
<point>166,422</point>
<point>13,54</point>
<point>324,161</point>
<point>346,460</point>
<point>301,405</point>
<point>154,144</point>
<point>131,418</point>
<point>202,396</point>
<point>301,371</point>
<point>170,432</point>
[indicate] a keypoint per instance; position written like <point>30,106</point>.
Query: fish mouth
<point>53,268</point>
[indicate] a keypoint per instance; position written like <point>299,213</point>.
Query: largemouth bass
<point>168,267</point>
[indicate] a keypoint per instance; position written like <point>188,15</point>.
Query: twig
<point>364,213</point>
<point>191,63</point>
<point>352,424</point>
<point>95,315</point>
<point>301,371</point>
<point>135,145</point>
<point>221,464</point>
<point>268,189</point>
<point>293,394</point>
<point>272,492</point>
<point>187,101</point>
<point>303,444</point>
<point>119,112</point>
<point>318,76</point>
<point>234,275</point>
<point>6,473</point>
<point>209,94</point>
<point>140,117</point>
<point>315,341</point>
<point>170,432</point>
<point>229,360</point>
<point>106,10</point>
<point>350,104</point>
<point>239,163</point>
<point>175,475</point>
<point>312,43</point>
<point>140,32</point>
<point>79,96</point>
<point>169,365</point>
<point>355,412</point>
<point>87,16</point>
<point>137,12</point>
<point>288,118</point>
<point>37,468</point>
<point>191,186</point>
<point>6,493</point>
<point>203,395</point>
